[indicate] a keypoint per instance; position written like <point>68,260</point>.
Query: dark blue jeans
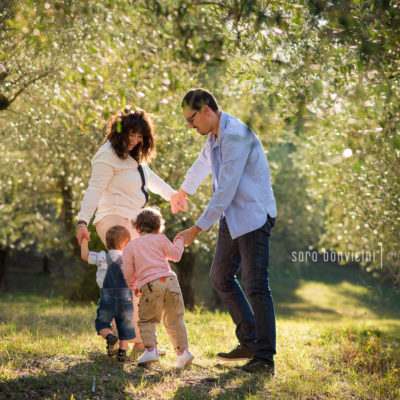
<point>255,322</point>
<point>116,304</point>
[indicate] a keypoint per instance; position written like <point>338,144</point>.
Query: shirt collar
<point>115,254</point>
<point>222,124</point>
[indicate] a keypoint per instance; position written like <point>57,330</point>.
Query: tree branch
<point>44,74</point>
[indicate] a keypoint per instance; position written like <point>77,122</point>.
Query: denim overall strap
<point>114,277</point>
<point>110,279</point>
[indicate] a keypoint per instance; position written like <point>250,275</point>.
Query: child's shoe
<point>148,357</point>
<point>136,353</point>
<point>121,355</point>
<point>112,345</point>
<point>184,359</point>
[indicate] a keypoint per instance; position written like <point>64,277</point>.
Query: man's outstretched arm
<point>195,175</point>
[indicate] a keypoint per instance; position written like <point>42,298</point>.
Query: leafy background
<point>312,78</point>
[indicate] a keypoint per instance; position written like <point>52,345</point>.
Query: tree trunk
<point>185,275</point>
<point>46,265</point>
<point>4,263</point>
<point>66,214</point>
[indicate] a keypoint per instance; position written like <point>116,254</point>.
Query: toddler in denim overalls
<point>116,301</point>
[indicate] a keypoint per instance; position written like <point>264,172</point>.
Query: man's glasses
<point>190,120</point>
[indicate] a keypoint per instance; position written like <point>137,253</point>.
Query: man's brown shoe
<point>257,364</point>
<point>239,352</point>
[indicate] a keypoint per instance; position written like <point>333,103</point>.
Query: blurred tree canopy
<point>318,82</point>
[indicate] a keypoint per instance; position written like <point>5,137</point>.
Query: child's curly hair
<point>149,220</point>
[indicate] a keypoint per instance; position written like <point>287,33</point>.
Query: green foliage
<point>312,78</point>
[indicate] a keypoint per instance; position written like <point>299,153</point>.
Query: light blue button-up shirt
<point>240,176</point>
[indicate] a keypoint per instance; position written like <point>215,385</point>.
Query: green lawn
<point>338,338</point>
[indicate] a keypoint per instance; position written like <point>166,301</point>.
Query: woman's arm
<point>102,172</point>
<point>157,185</point>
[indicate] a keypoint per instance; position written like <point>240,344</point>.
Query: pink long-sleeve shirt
<point>145,258</point>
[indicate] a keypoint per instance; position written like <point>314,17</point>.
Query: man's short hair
<point>197,98</point>
<point>115,236</point>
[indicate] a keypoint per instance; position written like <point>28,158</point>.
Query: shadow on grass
<point>99,378</point>
<point>233,384</point>
<point>285,280</point>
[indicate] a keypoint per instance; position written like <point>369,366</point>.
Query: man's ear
<point>205,109</point>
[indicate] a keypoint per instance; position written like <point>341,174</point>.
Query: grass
<point>337,338</point>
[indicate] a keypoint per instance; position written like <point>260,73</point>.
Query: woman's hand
<point>179,201</point>
<point>82,233</point>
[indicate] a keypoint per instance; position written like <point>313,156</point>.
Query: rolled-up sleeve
<point>100,259</point>
<point>92,257</point>
<point>235,149</point>
<point>198,171</point>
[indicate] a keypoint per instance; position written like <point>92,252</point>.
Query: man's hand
<point>179,201</point>
<point>82,233</point>
<point>189,235</point>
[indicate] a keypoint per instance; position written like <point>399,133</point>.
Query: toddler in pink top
<point>148,272</point>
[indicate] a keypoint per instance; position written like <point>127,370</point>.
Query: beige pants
<point>102,227</point>
<point>162,300</point>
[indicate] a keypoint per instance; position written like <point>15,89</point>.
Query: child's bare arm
<point>84,250</point>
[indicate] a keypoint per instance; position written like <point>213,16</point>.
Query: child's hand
<point>137,293</point>
<point>84,250</point>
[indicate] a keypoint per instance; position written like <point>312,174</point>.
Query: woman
<point>120,178</point>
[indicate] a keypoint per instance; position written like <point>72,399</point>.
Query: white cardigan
<point>115,186</point>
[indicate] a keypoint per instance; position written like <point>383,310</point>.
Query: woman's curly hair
<point>130,121</point>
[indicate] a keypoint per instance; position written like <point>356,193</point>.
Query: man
<point>244,203</point>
